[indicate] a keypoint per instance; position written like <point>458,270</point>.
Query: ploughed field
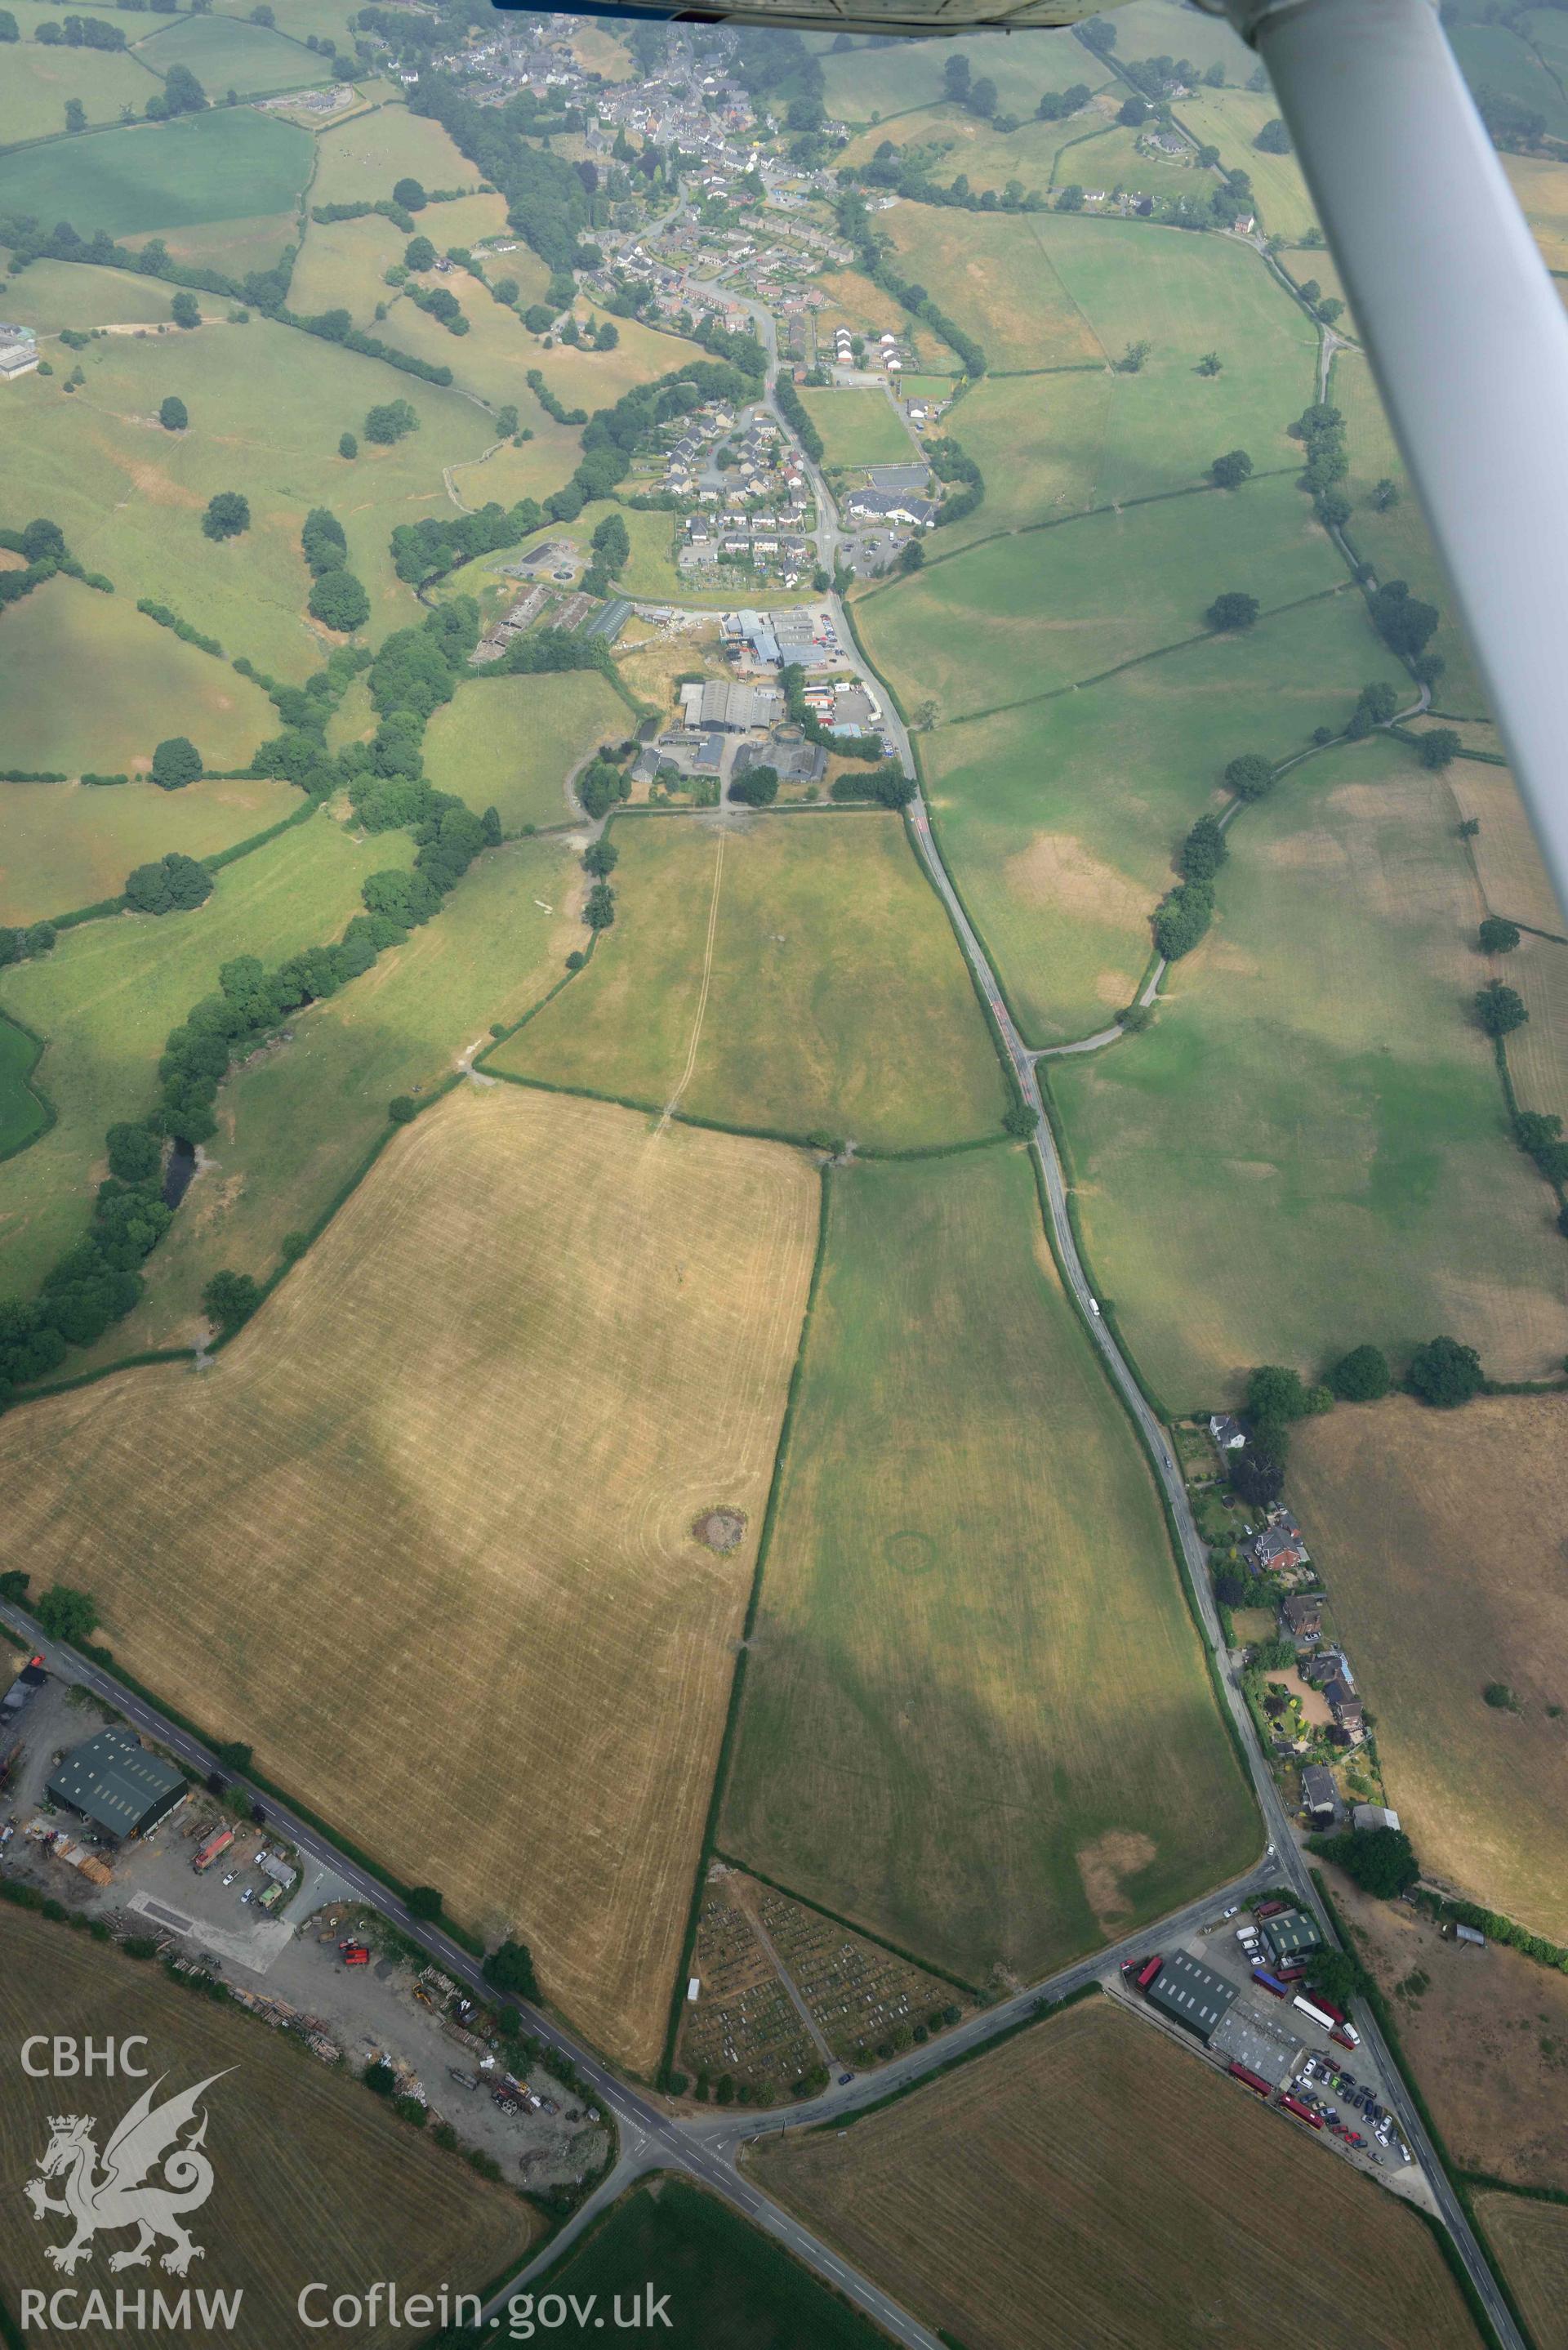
<point>1089,2185</point>
<point>422,1535</point>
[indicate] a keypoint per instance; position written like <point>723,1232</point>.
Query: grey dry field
<point>314,2179</point>
<point>1088,2186</point>
<point>1440,1536</point>
<point>423,1534</point>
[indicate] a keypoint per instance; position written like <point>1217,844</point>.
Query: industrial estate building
<point>116,1784</point>
<point>1191,1993</point>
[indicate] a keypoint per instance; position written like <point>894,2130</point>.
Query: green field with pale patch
<point>145,685</point>
<point>510,742</point>
<point>976,1717</point>
<point>1310,1148</point>
<point>106,997</point>
<point>1048,291</point>
<point>1060,820</point>
<point>68,844</point>
<point>1016,619</point>
<point>794,972</point>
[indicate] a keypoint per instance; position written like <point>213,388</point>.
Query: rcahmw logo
<point>151,2175</point>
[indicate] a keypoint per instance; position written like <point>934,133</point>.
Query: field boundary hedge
<point>1045,2008</point>
<point>51,1115</point>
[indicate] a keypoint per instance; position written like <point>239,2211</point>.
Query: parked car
<point>231,1876</point>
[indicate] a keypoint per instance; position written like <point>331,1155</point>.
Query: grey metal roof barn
<point>1290,1935</point>
<point>114,1782</point>
<point>1191,1992</point>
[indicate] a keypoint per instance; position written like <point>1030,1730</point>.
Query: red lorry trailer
<point>207,1853</point>
<point>1346,2035</point>
<point>1253,2080</point>
<point>1302,2113</point>
<point>1148,1971</point>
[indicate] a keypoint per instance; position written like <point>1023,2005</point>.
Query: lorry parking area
<point>1237,1994</point>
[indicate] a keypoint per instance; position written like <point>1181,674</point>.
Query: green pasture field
<point>299,19</point>
<point>36,83</point>
<point>343,266</point>
<point>729,2286</point>
<point>1492,58</point>
<point>219,166</point>
<point>868,85</point>
<point>859,427</point>
<point>510,742</point>
<point>360,161</point>
<point>1060,821</point>
<point>1309,1149</point>
<point>468,220</point>
<point>491,359</point>
<point>266,406</point>
<point>1544,30</point>
<point>1089,289</point>
<point>1040,442</point>
<point>1397,544</point>
<point>225,53</point>
<point>110,991</point>
<point>1157,28</point>
<point>1540,183</point>
<point>255,241</point>
<point>1112,161</point>
<point>298,1121</point>
<point>1230,120</point>
<point>591,379</point>
<point>751,960</point>
<point>146,685</point>
<point>975,1718</point>
<point>994,274</point>
<point>988,157</point>
<point>1021,616</point>
<point>50,295</point>
<point>22,1111</point>
<point>68,844</point>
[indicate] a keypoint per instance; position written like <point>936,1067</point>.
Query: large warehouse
<point>1192,1993</point>
<point>116,1784</point>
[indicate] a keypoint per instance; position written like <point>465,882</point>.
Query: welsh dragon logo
<point>114,2192</point>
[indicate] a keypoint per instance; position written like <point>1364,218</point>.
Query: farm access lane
<point>650,2138</point>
